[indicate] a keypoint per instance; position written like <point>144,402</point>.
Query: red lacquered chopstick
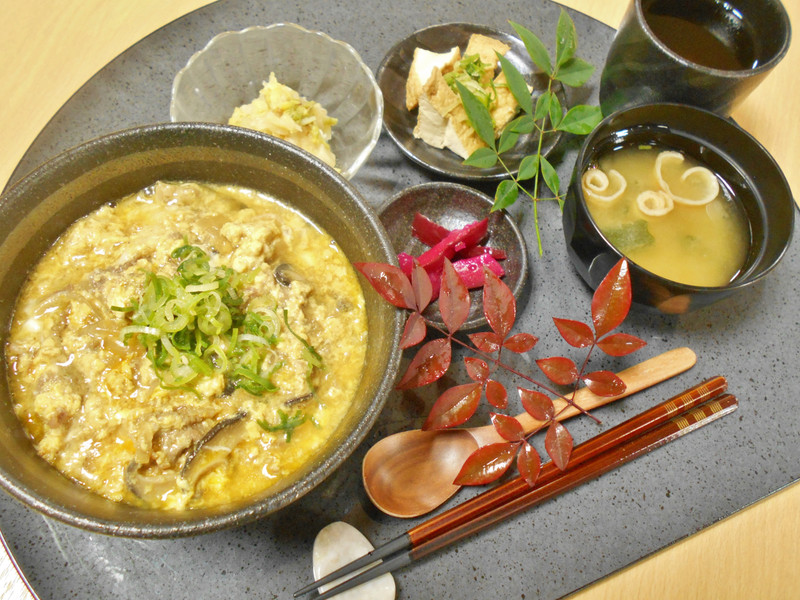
<point>418,538</point>
<point>586,471</point>
<point>615,436</point>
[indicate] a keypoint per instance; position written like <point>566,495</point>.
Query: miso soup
<point>670,215</point>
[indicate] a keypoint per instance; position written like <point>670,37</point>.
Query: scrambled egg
<point>94,405</point>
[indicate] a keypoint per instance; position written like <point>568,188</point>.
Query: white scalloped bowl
<point>233,66</point>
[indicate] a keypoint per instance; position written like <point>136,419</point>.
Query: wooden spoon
<point>411,473</point>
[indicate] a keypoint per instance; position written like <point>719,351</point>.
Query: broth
<point>702,245</point>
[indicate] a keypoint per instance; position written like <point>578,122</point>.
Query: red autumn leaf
<point>486,341</point>
<point>454,407</point>
<point>390,282</point>
<point>486,464</point>
<point>612,299</point>
<point>558,443</point>
<point>499,305</point>
<point>508,427</point>
<point>421,284</point>
<point>604,383</point>
<point>429,364</point>
<point>520,343</point>
<point>620,344</point>
<point>575,333</point>
<point>537,405</point>
<point>559,369</point>
<point>414,331</point>
<point>454,299</point>
<point>529,464</point>
<point>496,394</point>
<point>477,369</point>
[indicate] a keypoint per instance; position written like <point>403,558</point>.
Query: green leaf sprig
<point>547,115</point>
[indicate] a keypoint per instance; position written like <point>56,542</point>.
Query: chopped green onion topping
<point>287,423</point>
<point>469,71</point>
<point>195,325</point>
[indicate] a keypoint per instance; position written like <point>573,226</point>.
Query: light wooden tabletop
<point>48,53</point>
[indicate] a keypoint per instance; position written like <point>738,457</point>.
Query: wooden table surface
<point>50,49</point>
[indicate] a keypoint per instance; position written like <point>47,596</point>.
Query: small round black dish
<point>453,206</point>
<point>399,122</point>
<point>726,149</point>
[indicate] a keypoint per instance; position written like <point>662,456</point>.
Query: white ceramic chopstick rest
<point>338,544</point>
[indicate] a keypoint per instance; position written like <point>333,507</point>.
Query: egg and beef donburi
<point>188,346</point>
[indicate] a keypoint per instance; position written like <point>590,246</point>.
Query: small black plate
<point>399,121</point>
<point>453,206</point>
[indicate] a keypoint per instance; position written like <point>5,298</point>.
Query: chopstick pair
<point>646,431</point>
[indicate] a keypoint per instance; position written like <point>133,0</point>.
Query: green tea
<point>705,32</point>
<point>702,245</point>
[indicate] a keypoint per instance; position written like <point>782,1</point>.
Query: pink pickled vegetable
<point>495,253</point>
<point>460,246</point>
<point>430,233</point>
<point>470,270</point>
<point>468,235</point>
<point>406,262</point>
<point>426,231</point>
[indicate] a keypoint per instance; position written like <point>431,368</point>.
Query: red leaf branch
<point>413,291</point>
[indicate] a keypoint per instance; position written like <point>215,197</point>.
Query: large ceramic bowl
<point>727,150</point>
<point>35,211</point>
<point>233,66</point>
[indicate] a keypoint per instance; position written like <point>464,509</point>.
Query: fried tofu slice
<point>505,107</point>
<point>431,126</point>
<point>441,96</point>
<point>459,136</point>
<point>485,47</point>
<point>421,70</point>
<point>442,120</point>
<point>436,101</point>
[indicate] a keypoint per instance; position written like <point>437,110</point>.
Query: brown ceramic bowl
<point>727,150</point>
<point>34,212</point>
<point>453,205</point>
